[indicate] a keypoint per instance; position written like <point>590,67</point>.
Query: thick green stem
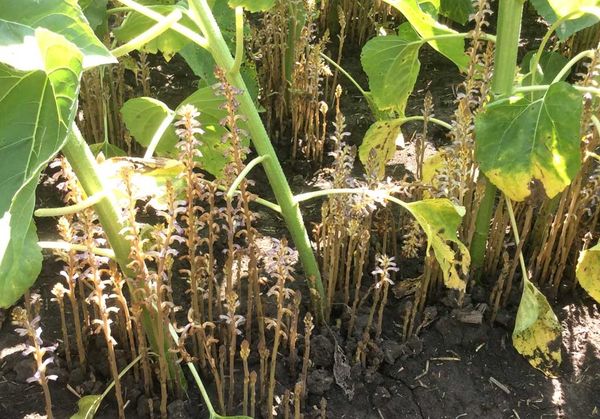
<point>86,169</point>
<point>510,14</point>
<point>203,16</point>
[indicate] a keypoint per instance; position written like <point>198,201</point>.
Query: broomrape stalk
<point>59,292</point>
<point>164,237</point>
<point>294,332</point>
<point>99,298</point>
<point>118,283</point>
<point>203,17</point>
<point>70,274</point>
<point>188,128</point>
<point>297,400</point>
<point>280,267</point>
<point>85,167</point>
<point>253,394</point>
<point>308,327</point>
<point>244,353</point>
<point>31,329</point>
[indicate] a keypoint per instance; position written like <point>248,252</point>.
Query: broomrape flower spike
<point>33,330</point>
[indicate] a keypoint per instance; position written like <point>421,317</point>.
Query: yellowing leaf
<point>588,271</point>
<point>519,140</point>
<point>440,220</point>
<point>537,333</point>
<point>379,144</point>
<point>431,166</point>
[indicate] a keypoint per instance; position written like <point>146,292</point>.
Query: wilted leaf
<point>253,5</point>
<point>88,406</point>
<point>381,139</point>
<point>63,17</point>
<point>552,10</point>
<point>519,140</point>
<point>428,27</point>
<point>392,65</point>
<point>537,333</point>
<point>588,271</point>
<point>440,220</point>
<point>40,73</point>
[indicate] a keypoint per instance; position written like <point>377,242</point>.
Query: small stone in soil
<point>381,397</point>
<point>24,369</point>
<point>450,330</point>
<point>76,377</point>
<point>475,335</point>
<point>143,408</point>
<point>319,381</point>
<point>373,377</point>
<point>177,410</point>
<point>322,348</point>
<point>392,351</point>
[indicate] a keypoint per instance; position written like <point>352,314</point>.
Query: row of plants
<point>523,142</point>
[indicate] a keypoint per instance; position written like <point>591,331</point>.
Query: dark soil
<point>451,370</point>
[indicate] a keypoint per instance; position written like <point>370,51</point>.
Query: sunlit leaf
<point>552,10</point>
<point>588,271</point>
<point>168,43</point>
<point>40,73</point>
<point>149,178</point>
<point>253,5</point>
<point>520,140</point>
<point>88,406</point>
<point>428,27</point>
<point>203,65</point>
<point>537,333</point>
<point>392,65</point>
<point>143,116</point>
<point>440,220</point>
<point>63,17</point>
<point>379,144</point>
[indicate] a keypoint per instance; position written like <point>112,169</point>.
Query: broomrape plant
<point>519,130</point>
